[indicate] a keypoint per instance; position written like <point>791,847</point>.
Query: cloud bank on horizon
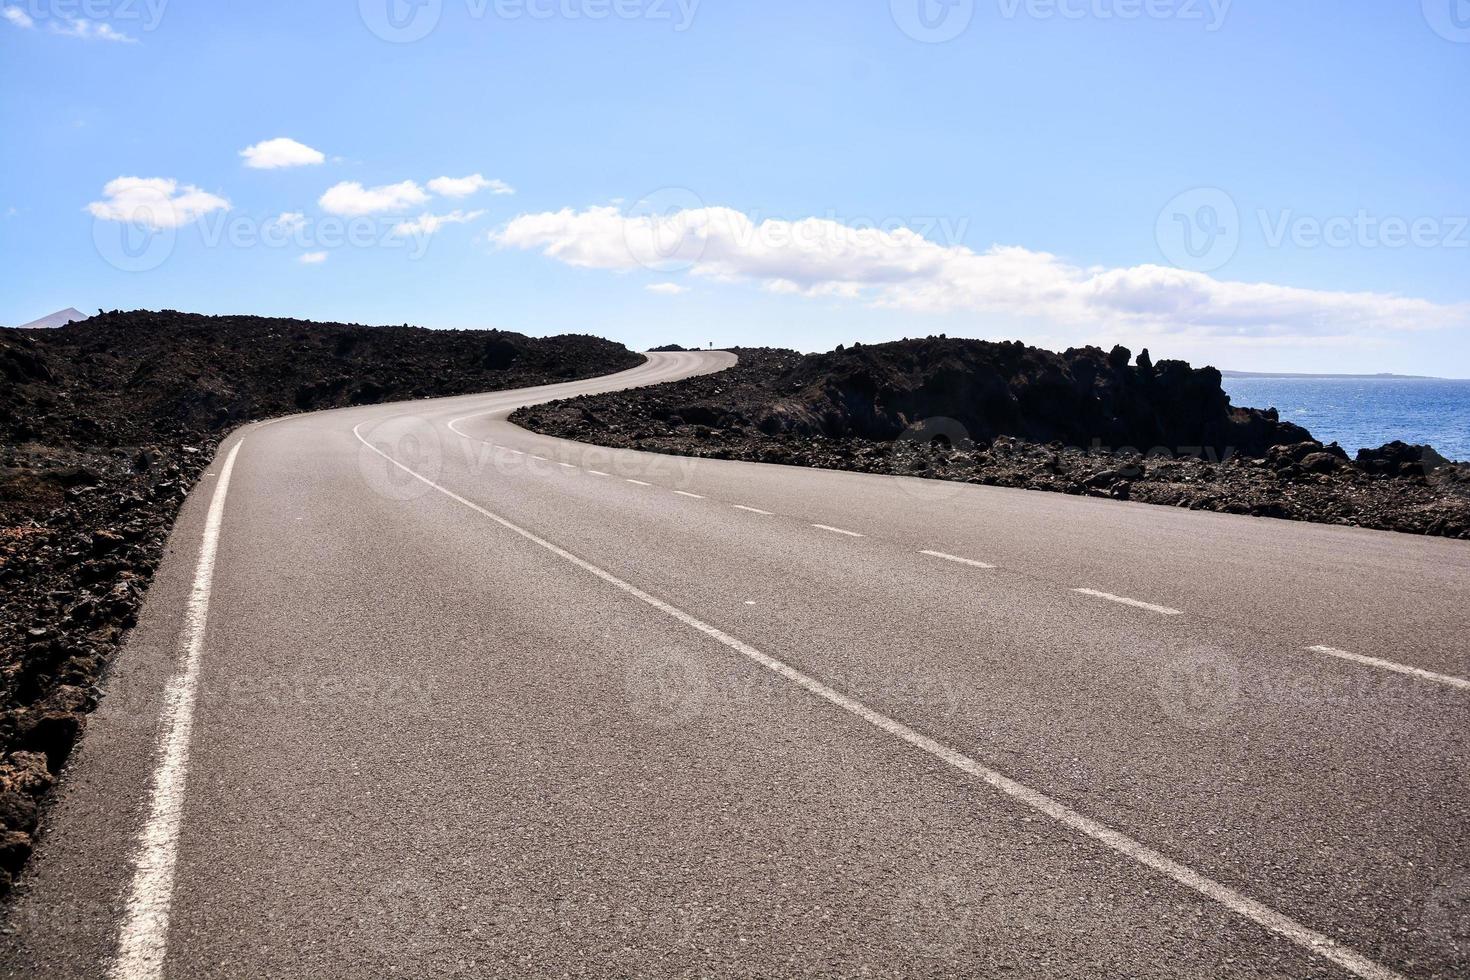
<point>898,268</point>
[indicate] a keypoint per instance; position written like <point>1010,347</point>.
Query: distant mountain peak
<point>58,319</point>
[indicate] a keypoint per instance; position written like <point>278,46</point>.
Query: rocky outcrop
<point>1082,397</point>
<point>1082,422</point>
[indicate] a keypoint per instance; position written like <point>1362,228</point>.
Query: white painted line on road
<point>143,936</point>
<point>542,458</point>
<point>838,530</point>
<point>567,465</point>
<point>1288,928</point>
<point>597,472</point>
<point>753,510</point>
<point>639,482</point>
<point>686,493</point>
<point>1137,604</point>
<point>963,561</point>
<point>1427,675</point>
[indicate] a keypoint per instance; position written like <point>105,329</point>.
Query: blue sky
<point>798,173</point>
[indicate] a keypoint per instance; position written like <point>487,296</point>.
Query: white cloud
<point>17,17</point>
<point>351,199</point>
<point>465,186</point>
<point>666,288</point>
<point>427,224</point>
<point>901,269</point>
<point>88,30</point>
<point>280,152</point>
<point>289,221</point>
<point>156,202</point>
<point>312,258</point>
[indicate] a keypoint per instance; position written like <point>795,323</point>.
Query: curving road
<point>420,694</point>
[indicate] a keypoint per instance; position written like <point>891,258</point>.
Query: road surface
<point>420,694</point>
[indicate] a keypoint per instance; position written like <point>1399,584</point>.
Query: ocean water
<point>1358,413</point>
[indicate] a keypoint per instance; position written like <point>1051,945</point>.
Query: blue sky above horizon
<point>1261,186</point>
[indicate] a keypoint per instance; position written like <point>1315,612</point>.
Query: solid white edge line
<point>686,493</point>
<point>956,558</point>
<point>1399,668</point>
<point>838,530</point>
<point>143,936</point>
<point>1136,603</point>
<point>1120,843</point>
<point>753,510</point>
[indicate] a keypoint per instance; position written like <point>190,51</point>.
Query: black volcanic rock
<point>1080,397</point>
<point>1079,422</point>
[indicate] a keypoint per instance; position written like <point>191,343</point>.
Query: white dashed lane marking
<point>838,530</point>
<point>640,483</point>
<point>1397,668</point>
<point>1303,936</point>
<point>1135,603</point>
<point>753,510</point>
<point>956,558</point>
<point>686,493</point>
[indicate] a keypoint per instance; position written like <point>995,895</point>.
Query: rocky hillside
<point>1081,397</point>
<point>1081,422</point>
<point>104,427</point>
<point>120,376</point>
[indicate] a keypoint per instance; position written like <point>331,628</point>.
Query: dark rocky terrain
<point>1003,414</point>
<point>104,427</point>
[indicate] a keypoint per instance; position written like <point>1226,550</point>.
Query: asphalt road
<point>459,700</point>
